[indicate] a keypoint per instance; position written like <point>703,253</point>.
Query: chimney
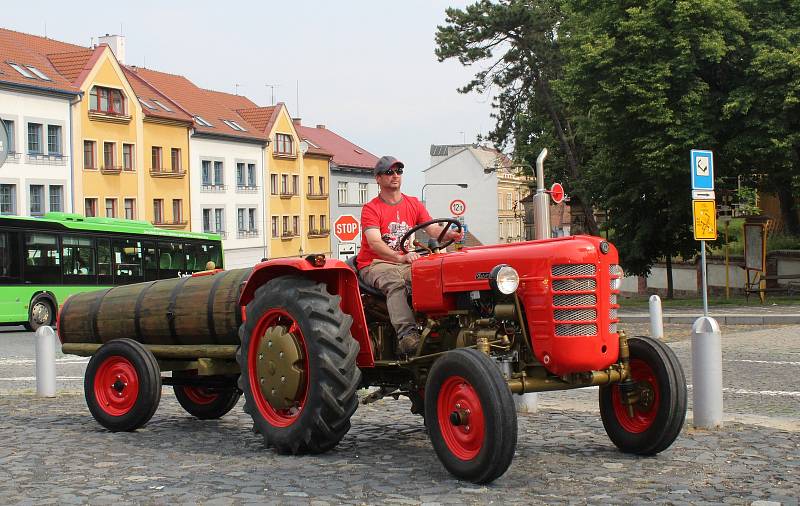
<point>297,121</point>
<point>321,127</point>
<point>117,45</point>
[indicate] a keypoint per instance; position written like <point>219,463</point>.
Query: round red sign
<point>346,228</point>
<point>458,207</point>
<point>557,193</point>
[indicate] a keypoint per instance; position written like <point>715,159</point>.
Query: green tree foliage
<point>762,110</point>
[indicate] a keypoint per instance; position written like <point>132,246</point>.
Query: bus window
<point>42,259</point>
<point>150,261</point>
<point>204,253</point>
<point>104,262</point>
<point>127,261</point>
<point>9,257</point>
<point>78,260</point>
<point>171,259</point>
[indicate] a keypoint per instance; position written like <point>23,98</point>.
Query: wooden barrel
<point>199,309</point>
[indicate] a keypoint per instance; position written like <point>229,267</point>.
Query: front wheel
<point>298,363</point>
<point>470,416</point>
<point>41,313</point>
<point>654,418</point>
<point>122,385</point>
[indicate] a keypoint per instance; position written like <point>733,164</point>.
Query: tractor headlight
<point>504,279</point>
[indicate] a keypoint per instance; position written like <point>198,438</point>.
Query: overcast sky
<point>366,69</point>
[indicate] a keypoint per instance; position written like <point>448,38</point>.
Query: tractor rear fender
<point>337,276</point>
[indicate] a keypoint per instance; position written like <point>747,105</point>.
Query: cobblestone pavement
<point>52,452</point>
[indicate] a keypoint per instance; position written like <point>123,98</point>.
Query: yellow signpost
<point>705,220</point>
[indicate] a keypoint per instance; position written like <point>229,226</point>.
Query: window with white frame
<point>323,223</point>
<point>252,181</point>
<point>295,184</point>
<point>35,138</point>
<point>56,198</point>
<point>111,208</point>
<point>285,231</point>
<point>207,220</point>
<point>158,210</point>
<point>54,139</point>
<point>177,210</point>
<point>273,184</point>
<point>362,193</point>
<point>284,184</point>
<point>107,100</point>
<point>127,157</point>
<point>296,225</point>
<point>219,176</point>
<point>219,221</point>
<point>37,199</point>
<point>311,222</point>
<point>130,209</point>
<point>11,137</point>
<point>283,144</point>
<point>341,188</point>
<point>90,207</point>
<point>240,175</point>
<point>206,172</point>
<point>322,185</point>
<point>275,231</point>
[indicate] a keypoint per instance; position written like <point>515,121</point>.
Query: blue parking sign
<point>702,170</point>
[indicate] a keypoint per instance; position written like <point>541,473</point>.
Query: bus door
<point>77,255</point>
<point>42,259</point>
<point>127,261</point>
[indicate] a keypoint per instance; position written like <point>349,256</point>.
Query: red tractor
<point>300,336</point>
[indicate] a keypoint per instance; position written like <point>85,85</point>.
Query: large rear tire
<point>122,385</point>
<point>660,408</point>
<point>205,402</point>
<point>470,416</point>
<point>298,363</point>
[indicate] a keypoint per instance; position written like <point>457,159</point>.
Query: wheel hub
<point>279,366</point>
<point>41,313</point>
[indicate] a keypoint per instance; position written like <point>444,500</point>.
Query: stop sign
<point>346,227</point>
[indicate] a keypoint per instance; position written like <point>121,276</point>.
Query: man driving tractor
<point>381,263</point>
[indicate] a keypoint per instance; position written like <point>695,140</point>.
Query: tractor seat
<point>365,288</point>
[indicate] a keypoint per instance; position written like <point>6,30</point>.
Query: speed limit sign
<point>458,207</point>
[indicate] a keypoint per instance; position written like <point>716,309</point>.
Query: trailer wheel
<point>298,363</point>
<point>122,385</point>
<point>205,403</point>
<point>660,407</point>
<point>41,313</point>
<point>470,416</point>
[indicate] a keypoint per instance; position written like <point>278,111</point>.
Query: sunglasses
<point>392,172</point>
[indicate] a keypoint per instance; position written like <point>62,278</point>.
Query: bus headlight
<point>504,279</point>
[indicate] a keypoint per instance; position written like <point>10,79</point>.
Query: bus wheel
<point>41,313</point>
<point>122,385</point>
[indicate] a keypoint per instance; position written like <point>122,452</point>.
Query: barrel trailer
<point>298,337</point>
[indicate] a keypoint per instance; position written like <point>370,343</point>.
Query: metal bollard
<point>527,403</point>
<point>656,318</point>
<point>707,373</point>
<point>45,362</point>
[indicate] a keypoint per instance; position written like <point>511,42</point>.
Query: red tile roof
<point>24,49</point>
<point>71,64</point>
<point>232,101</point>
<point>260,117</point>
<point>344,152</point>
<point>150,95</point>
<point>198,102</point>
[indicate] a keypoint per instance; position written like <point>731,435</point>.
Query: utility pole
<point>271,93</point>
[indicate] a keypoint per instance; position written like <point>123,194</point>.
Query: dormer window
<point>147,104</point>
<point>38,73</point>
<point>21,70</point>
<point>107,100</point>
<point>202,122</point>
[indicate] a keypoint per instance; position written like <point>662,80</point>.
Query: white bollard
<point>45,362</point>
<point>707,373</point>
<point>527,403</point>
<point>656,318</point>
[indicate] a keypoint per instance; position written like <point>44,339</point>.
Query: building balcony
<point>287,195</point>
<point>288,236</point>
<point>213,188</point>
<point>316,196</point>
<point>167,173</point>
<point>109,117</point>
<point>316,234</point>
<point>39,158</point>
<point>246,234</point>
<point>174,224</point>
<point>246,189</point>
<point>13,157</point>
<point>111,169</point>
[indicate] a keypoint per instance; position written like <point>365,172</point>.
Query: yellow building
<point>316,171</point>
<point>513,185</point>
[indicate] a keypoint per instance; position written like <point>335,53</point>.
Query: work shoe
<point>408,345</point>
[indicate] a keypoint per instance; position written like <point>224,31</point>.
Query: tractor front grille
<point>575,312</point>
<point>570,329</point>
<point>581,315</point>
<point>574,270</point>
<point>574,285</point>
<point>616,274</point>
<point>588,299</point>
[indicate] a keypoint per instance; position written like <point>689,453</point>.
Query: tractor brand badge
<point>481,275</point>
<point>545,282</point>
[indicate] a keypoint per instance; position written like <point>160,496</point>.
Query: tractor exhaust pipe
<point>541,201</point>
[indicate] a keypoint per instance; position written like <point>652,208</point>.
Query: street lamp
<point>462,185</point>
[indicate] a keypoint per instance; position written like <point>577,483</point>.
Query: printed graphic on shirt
<point>396,232</point>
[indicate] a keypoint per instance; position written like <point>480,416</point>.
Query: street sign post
<point>346,250</point>
<point>703,208</point>
<point>346,228</point>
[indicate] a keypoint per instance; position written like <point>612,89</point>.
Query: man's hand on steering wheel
<point>447,235</point>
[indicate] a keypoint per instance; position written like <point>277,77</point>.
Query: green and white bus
<point>45,260</point>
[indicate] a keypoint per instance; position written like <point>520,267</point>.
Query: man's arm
<point>434,229</point>
<point>383,251</point>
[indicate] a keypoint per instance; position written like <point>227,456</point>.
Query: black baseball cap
<point>386,163</point>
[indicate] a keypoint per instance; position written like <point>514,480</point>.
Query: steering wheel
<point>416,228</point>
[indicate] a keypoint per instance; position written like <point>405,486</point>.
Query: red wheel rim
<point>116,386</point>
<point>644,414</point>
<point>200,395</point>
<point>465,438</point>
<point>282,417</point>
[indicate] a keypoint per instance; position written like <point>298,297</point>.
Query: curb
<point>724,319</point>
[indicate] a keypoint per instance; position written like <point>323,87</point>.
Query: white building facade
<point>37,176</point>
<point>227,195</point>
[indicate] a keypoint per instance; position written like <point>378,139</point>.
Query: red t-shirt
<point>393,220</point>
